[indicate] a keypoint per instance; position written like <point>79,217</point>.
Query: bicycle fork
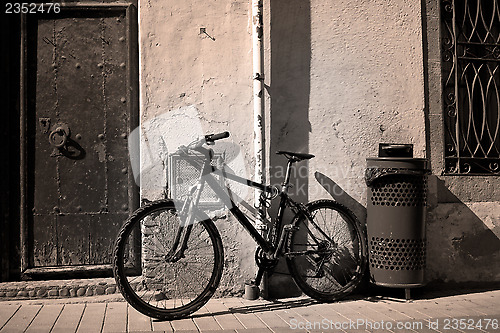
<point>187,217</point>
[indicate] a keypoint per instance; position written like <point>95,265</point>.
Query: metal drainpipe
<point>258,113</point>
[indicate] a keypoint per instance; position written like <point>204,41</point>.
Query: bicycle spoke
<point>155,284</point>
<point>326,276</point>
<point>326,255</point>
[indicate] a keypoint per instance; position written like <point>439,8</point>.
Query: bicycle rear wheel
<point>145,273</point>
<point>327,258</point>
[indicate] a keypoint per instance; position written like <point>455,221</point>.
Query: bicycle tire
<point>154,285</point>
<point>326,273</point>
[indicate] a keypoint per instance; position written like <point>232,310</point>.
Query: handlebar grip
<point>218,136</point>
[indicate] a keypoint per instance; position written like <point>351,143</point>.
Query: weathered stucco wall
<point>366,86</point>
<point>374,75</point>
<point>464,243</point>
<point>345,75</point>
<point>183,69</point>
<point>342,76</point>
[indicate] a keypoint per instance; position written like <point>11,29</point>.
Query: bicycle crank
<point>262,260</point>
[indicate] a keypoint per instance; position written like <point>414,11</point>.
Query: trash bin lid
<point>397,162</point>
<point>384,166</point>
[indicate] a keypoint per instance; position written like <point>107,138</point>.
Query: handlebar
<point>207,139</point>
<point>215,137</point>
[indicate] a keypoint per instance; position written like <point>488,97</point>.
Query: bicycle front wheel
<point>326,254</point>
<point>147,276</point>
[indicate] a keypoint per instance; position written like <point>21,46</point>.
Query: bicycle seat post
<point>286,181</point>
<point>292,158</point>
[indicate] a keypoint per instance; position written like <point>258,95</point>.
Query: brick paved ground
<point>478,312</point>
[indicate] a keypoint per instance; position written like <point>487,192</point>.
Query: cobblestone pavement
<point>451,312</point>
<point>57,288</point>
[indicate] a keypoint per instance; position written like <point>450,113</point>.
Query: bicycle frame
<point>150,270</point>
<point>271,248</point>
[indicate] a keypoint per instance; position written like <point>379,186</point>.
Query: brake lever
<point>182,149</point>
<point>194,145</point>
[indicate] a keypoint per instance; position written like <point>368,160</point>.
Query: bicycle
<point>168,263</point>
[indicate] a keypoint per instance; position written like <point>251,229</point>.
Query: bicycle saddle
<point>296,157</point>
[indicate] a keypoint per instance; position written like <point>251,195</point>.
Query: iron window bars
<point>471,86</point>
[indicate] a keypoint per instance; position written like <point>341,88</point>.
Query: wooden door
<point>80,77</point>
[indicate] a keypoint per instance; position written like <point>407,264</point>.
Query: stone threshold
<point>57,288</point>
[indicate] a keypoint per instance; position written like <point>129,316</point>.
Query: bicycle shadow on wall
<point>289,124</point>
<point>341,196</point>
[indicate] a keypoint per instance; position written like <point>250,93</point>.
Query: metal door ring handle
<point>59,137</point>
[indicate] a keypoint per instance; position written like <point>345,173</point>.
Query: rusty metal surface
<point>117,110</point>
<point>103,233</point>
<point>73,239</point>
<point>45,192</point>
<point>45,242</point>
<point>81,104</point>
<point>80,188</point>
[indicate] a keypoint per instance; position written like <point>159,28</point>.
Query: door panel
<point>81,103</point>
<point>82,74</point>
<point>102,230</point>
<point>45,244</point>
<point>73,240</point>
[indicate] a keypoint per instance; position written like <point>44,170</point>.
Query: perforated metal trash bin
<point>396,203</point>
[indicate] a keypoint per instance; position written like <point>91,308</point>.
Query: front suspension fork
<point>182,234</point>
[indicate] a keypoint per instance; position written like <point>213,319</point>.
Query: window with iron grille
<point>471,93</point>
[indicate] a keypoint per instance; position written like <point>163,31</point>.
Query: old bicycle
<point>168,261</point>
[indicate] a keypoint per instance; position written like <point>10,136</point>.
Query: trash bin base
<point>397,278</point>
<point>399,285</point>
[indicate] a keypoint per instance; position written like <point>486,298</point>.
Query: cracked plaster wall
<point>183,69</point>
<point>342,76</point>
<point>366,86</point>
